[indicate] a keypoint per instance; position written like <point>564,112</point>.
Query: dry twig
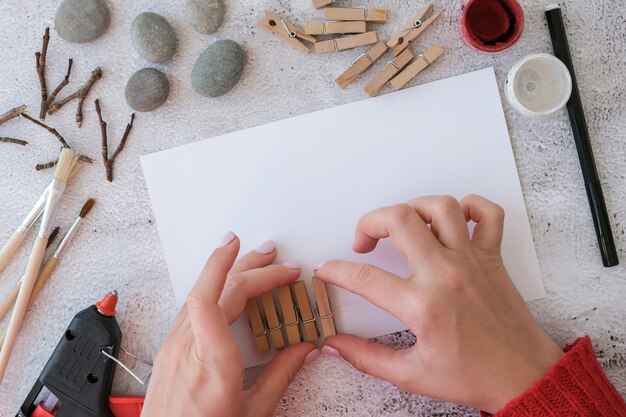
<point>52,164</point>
<point>81,94</point>
<point>40,58</point>
<point>13,140</point>
<point>48,128</point>
<point>108,162</point>
<point>12,113</point>
<point>53,95</point>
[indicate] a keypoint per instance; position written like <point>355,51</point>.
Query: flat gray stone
<point>81,21</point>
<point>153,37</point>
<point>218,68</point>
<point>205,16</point>
<point>147,89</point>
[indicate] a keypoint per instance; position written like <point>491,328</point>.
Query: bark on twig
<point>52,96</point>
<point>13,140</point>
<point>52,164</point>
<point>40,58</point>
<point>48,128</point>
<point>108,162</point>
<point>81,94</point>
<point>12,113</point>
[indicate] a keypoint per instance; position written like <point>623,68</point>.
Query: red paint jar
<point>491,25</point>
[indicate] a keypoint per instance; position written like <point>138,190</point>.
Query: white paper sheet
<point>304,182</point>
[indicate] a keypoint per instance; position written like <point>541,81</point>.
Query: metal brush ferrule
<point>35,212</point>
<point>52,204</point>
<point>67,239</point>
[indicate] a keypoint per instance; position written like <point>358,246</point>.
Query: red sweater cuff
<point>574,386</point>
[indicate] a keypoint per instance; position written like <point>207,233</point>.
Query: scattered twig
<point>13,140</point>
<point>108,162</point>
<point>40,58</point>
<point>48,128</point>
<point>52,96</point>
<point>12,113</point>
<point>52,164</point>
<point>81,94</point>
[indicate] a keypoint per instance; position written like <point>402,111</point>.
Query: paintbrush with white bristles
<point>63,172</point>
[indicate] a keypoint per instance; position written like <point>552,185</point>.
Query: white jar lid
<point>538,85</point>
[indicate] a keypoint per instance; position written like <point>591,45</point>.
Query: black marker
<point>583,145</point>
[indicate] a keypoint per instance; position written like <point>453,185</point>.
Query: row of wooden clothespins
<point>351,23</point>
<point>295,321</point>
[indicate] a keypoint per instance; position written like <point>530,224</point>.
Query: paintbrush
<point>6,306</point>
<point>53,261</point>
<point>62,173</point>
<point>17,239</point>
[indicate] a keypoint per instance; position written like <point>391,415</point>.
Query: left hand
<point>199,370</point>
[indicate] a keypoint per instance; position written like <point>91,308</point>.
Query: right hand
<point>476,342</point>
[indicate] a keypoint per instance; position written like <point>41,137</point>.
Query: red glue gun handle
<point>126,405</point>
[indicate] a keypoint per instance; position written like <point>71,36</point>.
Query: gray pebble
<point>153,37</point>
<point>81,21</point>
<point>147,89</point>
<point>205,16</point>
<point>218,68</point>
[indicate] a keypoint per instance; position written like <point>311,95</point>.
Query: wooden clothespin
<point>290,318</point>
<point>258,329</point>
<point>414,27</point>
<point>355,13</point>
<point>346,42</point>
<point>391,68</point>
<point>362,63</point>
<point>323,307</point>
<point>318,4</point>
<point>416,66</point>
<point>307,318</point>
<point>332,28</point>
<point>273,324</point>
<point>288,32</point>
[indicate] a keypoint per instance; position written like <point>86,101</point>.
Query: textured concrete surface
<point>119,248</point>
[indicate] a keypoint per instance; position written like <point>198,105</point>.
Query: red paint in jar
<point>492,25</point>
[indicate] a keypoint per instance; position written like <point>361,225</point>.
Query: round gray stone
<point>81,21</point>
<point>218,68</point>
<point>153,37</point>
<point>205,16</point>
<point>147,89</point>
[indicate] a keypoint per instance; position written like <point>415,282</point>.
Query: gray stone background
<point>119,247</point>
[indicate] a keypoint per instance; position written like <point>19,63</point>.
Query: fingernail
<point>266,247</point>
<point>292,265</point>
<point>319,265</point>
<point>230,236</point>
<point>312,356</point>
<point>330,351</point>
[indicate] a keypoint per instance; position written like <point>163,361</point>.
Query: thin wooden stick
<point>81,94</point>
<point>48,128</point>
<point>62,84</point>
<point>12,113</point>
<point>41,67</point>
<point>108,162</point>
<point>13,140</point>
<point>52,164</point>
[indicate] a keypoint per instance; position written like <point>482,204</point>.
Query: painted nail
<point>229,237</point>
<point>312,356</point>
<point>292,265</point>
<point>330,351</point>
<point>319,265</point>
<point>266,247</point>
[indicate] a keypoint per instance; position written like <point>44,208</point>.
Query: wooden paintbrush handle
<point>9,249</point>
<point>8,303</point>
<point>23,297</point>
<point>45,273</point>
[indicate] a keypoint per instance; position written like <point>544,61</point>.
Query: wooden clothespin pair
<point>298,317</point>
<point>414,27</point>
<point>347,20</point>
<point>287,31</point>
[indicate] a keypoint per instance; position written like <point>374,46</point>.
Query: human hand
<point>199,370</point>
<point>476,342</point>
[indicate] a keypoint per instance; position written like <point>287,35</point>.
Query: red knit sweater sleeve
<point>575,386</point>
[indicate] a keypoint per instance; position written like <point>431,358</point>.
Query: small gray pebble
<point>205,16</point>
<point>153,37</point>
<point>147,89</point>
<point>218,68</point>
<point>81,21</point>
